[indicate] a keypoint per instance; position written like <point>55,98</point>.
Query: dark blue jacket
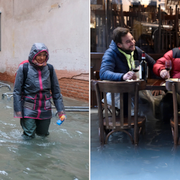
<point>114,64</point>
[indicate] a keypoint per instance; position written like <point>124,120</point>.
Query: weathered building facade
<point>63,25</point>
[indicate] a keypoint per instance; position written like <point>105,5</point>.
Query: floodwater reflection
<point>64,154</point>
<point>154,158</point>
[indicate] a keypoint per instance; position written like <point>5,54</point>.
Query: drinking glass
<point>168,65</point>
<point>135,66</point>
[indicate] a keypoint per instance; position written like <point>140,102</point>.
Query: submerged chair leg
<point>142,130</point>
<point>117,131</point>
<point>175,117</point>
<point>175,138</point>
<point>101,136</point>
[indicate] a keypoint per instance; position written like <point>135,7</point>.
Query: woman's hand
<point>62,115</point>
<point>18,114</point>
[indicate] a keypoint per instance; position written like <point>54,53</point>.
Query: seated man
<point>159,67</point>
<point>166,105</point>
<point>117,60</point>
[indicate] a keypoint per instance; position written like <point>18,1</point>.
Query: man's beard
<point>126,51</point>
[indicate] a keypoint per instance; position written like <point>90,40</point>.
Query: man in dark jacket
<point>117,60</point>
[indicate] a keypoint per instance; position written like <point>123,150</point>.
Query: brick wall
<point>7,77</point>
<point>75,88</point>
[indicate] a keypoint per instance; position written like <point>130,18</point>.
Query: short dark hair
<point>118,33</point>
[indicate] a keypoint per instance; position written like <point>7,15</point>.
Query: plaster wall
<point>63,25</point>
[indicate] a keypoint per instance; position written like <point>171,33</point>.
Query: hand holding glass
<point>168,65</point>
<point>135,66</point>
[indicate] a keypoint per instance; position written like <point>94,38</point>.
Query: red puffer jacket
<point>160,64</point>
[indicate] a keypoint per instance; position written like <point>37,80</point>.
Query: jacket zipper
<point>40,93</point>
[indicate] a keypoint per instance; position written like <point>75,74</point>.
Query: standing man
<point>117,60</point>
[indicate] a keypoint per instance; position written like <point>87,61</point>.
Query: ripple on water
<point>7,124</point>
<point>3,172</point>
<point>66,132</point>
<point>46,144</point>
<point>79,132</point>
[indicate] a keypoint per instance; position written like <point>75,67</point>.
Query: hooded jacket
<point>32,96</point>
<point>114,64</point>
<point>175,59</point>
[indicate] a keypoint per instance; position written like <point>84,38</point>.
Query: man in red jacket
<point>159,67</point>
<point>166,105</point>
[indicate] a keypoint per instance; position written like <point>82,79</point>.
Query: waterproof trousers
<point>34,126</point>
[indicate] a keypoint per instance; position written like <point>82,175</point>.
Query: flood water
<point>155,157</point>
<point>64,154</point>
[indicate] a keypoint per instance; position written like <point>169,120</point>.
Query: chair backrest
<point>170,85</point>
<point>128,89</point>
<point>175,88</point>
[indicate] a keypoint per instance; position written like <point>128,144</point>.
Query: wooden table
<point>152,84</point>
<point>156,84</point>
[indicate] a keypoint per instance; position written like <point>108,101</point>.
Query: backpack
<point>25,69</point>
<point>176,52</point>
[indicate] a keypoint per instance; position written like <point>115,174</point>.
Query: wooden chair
<point>175,120</point>
<point>110,123</point>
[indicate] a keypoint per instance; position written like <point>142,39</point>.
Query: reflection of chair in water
<point>110,123</point>
<point>175,121</point>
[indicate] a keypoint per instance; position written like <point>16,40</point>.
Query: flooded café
<point>154,24</point>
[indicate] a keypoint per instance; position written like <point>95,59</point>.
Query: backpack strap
<point>25,70</point>
<point>176,52</point>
